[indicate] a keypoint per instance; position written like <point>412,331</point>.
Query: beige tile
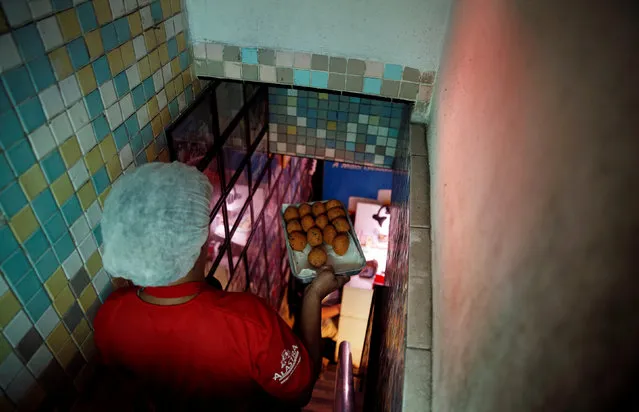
<point>181,42</point>
<point>166,8</point>
<point>102,11</point>
<point>94,44</point>
<point>160,34</point>
<point>114,58</point>
<point>86,78</point>
<point>356,302</point>
<point>149,39</point>
<point>128,55</point>
<point>154,61</point>
<point>143,68</point>
<point>164,54</point>
<point>419,196</point>
<point>69,25</point>
<point>61,63</point>
<point>418,140</point>
<point>417,380</point>
<point>135,23</point>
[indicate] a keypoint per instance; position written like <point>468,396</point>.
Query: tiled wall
<point>87,88</point>
<point>335,127</point>
<point>313,70</point>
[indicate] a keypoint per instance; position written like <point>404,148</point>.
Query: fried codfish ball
<point>305,209</point>
<point>319,208</point>
<point>291,213</point>
<point>314,236</point>
<point>297,241</point>
<point>340,244</point>
<point>321,221</point>
<point>329,234</point>
<point>335,212</point>
<point>341,225</point>
<point>317,257</point>
<point>333,203</point>
<point>293,226</point>
<point>307,222</point>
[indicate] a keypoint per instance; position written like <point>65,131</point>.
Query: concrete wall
<point>406,32</point>
<point>535,199</point>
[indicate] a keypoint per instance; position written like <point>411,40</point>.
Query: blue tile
<point>27,287</point>
<point>36,245</point>
<point>372,86</point>
<point>53,166</point>
<point>122,30</point>
<point>393,72</point>
<point>147,134</point>
<point>101,128</point>
<point>12,199</point>
<point>19,84</point>
<point>332,115</point>
<point>101,70</point>
<point>330,144</point>
<point>173,48</point>
<point>122,84</point>
<point>396,112</point>
<point>31,114</point>
<point>141,159</point>
<point>78,53</point>
<point>11,131</point>
<point>63,247</point>
<point>311,123</point>
<point>5,103</point>
<point>86,15</point>
<point>149,88</point>
<point>342,117</point>
<point>8,242</point>
<point>388,161</point>
<point>156,12</point>
<point>38,305</point>
<point>47,265</point>
<point>55,227</point>
<point>188,93</point>
<point>370,139</point>
<point>319,79</point>
<point>184,60</point>
<point>132,125</point>
<point>120,136</point>
<point>16,266</point>
<point>365,109</point>
<point>101,180</point>
<point>94,104</point>
<point>6,173</point>
<point>97,232</point>
<point>301,77</point>
<point>59,5</point>
<point>138,96</point>
<point>136,144</point>
<point>311,113</point>
<point>249,55</point>
<point>174,108</point>
<point>44,206</point>
<point>41,73</point>
<point>71,210</point>
<point>109,37</point>
<point>28,41</point>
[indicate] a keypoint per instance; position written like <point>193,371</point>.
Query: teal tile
<point>149,88</point>
<point>109,37</point>
<point>41,72</point>
<point>147,134</point>
<point>156,12</point>
<point>101,70</point>
<point>101,180</point>
<point>138,96</point>
<point>11,131</point>
<point>44,206</point>
<point>121,84</point>
<point>29,42</point>
<point>59,5</point>
<point>53,166</point>
<point>173,49</point>
<point>55,227</point>
<point>94,104</point>
<point>39,303</point>
<point>16,266</point>
<point>28,286</point>
<point>36,245</point>
<point>372,85</point>
<point>393,72</point>
<point>6,173</point>
<point>8,242</point>
<point>86,15</point>
<point>78,53</point>
<point>12,199</point>
<point>120,136</point>
<point>71,210</point>
<point>137,144</point>
<point>31,114</point>
<point>21,157</point>
<point>122,31</point>
<point>319,79</point>
<point>249,55</point>
<point>132,125</point>
<point>47,265</point>
<point>101,127</point>
<point>64,247</point>
<point>5,103</point>
<point>19,84</point>
<point>97,232</point>
<point>301,77</point>
<point>185,60</point>
<point>141,159</point>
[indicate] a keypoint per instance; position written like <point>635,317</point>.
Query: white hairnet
<point>154,223</point>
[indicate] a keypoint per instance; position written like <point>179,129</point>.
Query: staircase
<point>324,391</point>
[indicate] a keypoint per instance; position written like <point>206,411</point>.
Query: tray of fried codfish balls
<point>318,234</point>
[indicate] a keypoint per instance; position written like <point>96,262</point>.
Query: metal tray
<point>348,265</point>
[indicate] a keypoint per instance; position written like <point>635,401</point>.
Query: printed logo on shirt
<point>290,360</point>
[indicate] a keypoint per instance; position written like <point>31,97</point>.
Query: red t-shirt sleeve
<point>281,364</point>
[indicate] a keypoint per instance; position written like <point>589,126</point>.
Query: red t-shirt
<point>217,344</point>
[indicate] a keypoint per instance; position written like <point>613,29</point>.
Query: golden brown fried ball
<point>293,226</point>
<point>341,225</point>
<point>335,212</point>
<point>321,221</point>
<point>333,203</point>
<point>314,236</point>
<point>329,234</point>
<point>318,208</point>
<point>297,241</point>
<point>291,213</point>
<point>305,209</point>
<point>307,222</point>
<point>340,244</point>
<point>317,257</point>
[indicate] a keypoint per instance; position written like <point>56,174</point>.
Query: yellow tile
<point>103,196</point>
<point>154,61</point>
<point>156,126</point>
<point>149,39</point>
<point>153,106</point>
<point>166,8</point>
<point>69,25</point>
<point>107,148</point>
<point>291,130</point>
<point>88,347</point>
<point>87,194</point>
<point>81,331</point>
<point>4,28</point>
<point>63,301</point>
<point>170,91</point>
<point>94,44</point>
<point>128,55</point>
<point>102,11</point>
<point>93,160</point>
<point>331,126</point>
<point>135,23</point>
<point>175,67</point>
<point>67,353</point>
<point>94,264</point>
<point>5,350</point>
<point>186,77</point>
<point>58,337</point>
<point>56,283</point>
<point>181,42</point>
<point>164,156</point>
<point>62,189</point>
<point>164,54</point>
<point>151,153</point>
<point>160,35</point>
<point>9,306</point>
<point>166,117</point>
<point>143,68</point>
<point>115,61</point>
<point>179,86</point>
<point>87,80</point>
<point>196,87</point>
<point>24,224</point>
<point>70,151</point>
<point>33,182</point>
<point>113,168</point>
<point>87,297</point>
<point>61,63</point>
<point>176,6</point>
<point>323,96</point>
